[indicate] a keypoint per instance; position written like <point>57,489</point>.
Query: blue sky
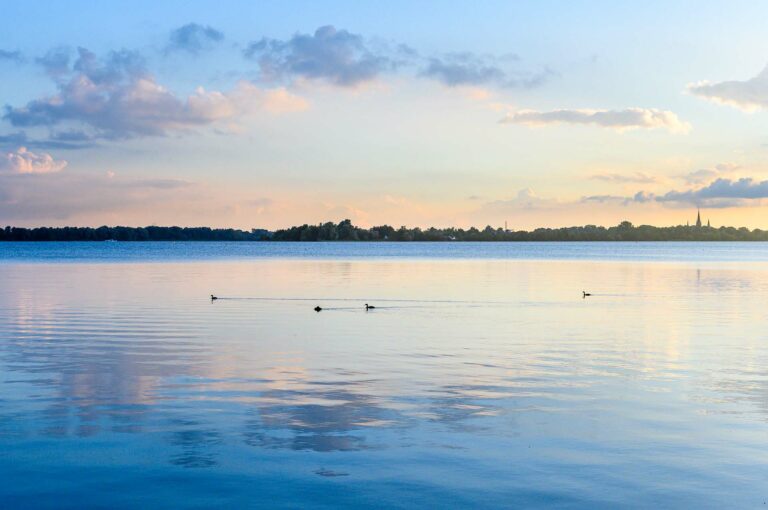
<point>246,114</point>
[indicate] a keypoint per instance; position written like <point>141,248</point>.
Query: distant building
<point>698,220</point>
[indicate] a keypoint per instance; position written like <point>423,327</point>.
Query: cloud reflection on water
<point>197,384</point>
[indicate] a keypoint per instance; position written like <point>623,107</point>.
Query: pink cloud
<point>23,161</point>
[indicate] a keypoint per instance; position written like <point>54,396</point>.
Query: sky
<point>269,114</point>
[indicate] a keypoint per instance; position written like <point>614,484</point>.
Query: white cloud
<point>245,99</point>
<point>637,177</point>
<point>706,175</point>
<point>749,95</point>
<point>117,98</point>
<point>620,120</point>
<point>22,161</point>
<point>525,199</point>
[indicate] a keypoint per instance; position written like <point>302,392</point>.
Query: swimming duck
<point>317,308</point>
<point>369,307</point>
<point>585,293</point>
<point>213,298</point>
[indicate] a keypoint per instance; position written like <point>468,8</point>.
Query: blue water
<point>482,379</point>
<point>179,251</point>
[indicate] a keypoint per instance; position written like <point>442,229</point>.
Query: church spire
<point>698,218</point>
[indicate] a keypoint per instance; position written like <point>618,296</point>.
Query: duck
<point>369,307</point>
<point>317,309</point>
<point>213,298</point>
<point>585,293</point>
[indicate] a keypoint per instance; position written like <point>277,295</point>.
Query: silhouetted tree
<point>346,231</point>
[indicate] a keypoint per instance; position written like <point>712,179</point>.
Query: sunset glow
<point>248,116</point>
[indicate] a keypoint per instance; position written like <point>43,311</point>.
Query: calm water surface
<point>482,378</point>
<point>180,251</point>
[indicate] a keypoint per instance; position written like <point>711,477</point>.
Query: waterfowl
<point>317,308</point>
<point>213,298</point>
<point>585,293</point>
<point>369,307</point>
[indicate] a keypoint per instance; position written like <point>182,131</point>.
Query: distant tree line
<point>130,234</point>
<point>625,231</point>
<point>346,231</point>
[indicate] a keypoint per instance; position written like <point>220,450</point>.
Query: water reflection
<point>196,444</point>
<point>90,370</point>
<point>90,359</point>
<point>321,420</point>
<point>458,408</point>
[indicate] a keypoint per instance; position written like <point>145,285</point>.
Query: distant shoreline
<point>345,231</point>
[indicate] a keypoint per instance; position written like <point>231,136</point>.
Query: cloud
<point>700,176</point>
<point>603,199</point>
<point>56,140</point>
<point>460,70</point>
<point>22,161</point>
<point>73,136</point>
<point>16,139</point>
<point>748,95</point>
<point>82,197</point>
<point>637,177</point>
<point>245,98</point>
<point>346,59</point>
<point>193,38</point>
<point>337,56</point>
<point>620,120</point>
<point>117,98</point>
<point>55,62</point>
<point>13,56</point>
<point>720,193</point>
<point>259,205</point>
<point>468,69</point>
<point>338,212</point>
<point>642,197</point>
<point>525,199</point>
<point>154,183</point>
<point>705,175</point>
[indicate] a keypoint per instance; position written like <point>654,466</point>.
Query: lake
<point>481,379</point>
